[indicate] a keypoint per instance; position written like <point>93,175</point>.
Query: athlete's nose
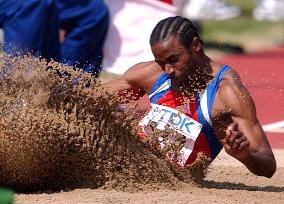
<point>169,69</point>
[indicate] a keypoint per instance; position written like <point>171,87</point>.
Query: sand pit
<point>67,146</point>
<point>55,135</point>
<point>227,182</point>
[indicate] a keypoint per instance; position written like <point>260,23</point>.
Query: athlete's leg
<point>32,28</point>
<point>86,23</point>
<point>6,7</point>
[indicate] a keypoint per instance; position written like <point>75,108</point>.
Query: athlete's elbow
<point>271,170</point>
<point>268,164</point>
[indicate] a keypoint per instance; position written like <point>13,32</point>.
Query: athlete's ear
<point>196,44</point>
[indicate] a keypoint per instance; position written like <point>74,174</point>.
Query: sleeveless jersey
<point>189,116</point>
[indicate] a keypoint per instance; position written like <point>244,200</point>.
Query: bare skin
<point>233,112</point>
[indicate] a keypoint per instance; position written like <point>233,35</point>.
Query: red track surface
<point>263,75</point>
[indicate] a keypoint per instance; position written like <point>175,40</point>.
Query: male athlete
<point>201,99</point>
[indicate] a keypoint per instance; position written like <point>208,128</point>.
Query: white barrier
<point>132,22</point>
<point>1,36</point>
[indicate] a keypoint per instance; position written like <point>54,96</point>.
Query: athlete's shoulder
<point>231,79</point>
<point>143,74</point>
<point>146,67</point>
<point>228,74</point>
<point>234,94</point>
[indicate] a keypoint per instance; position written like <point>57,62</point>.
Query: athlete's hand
<point>235,143</point>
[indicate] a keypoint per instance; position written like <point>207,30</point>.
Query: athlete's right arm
<point>132,83</point>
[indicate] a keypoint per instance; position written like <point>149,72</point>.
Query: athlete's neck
<point>201,74</point>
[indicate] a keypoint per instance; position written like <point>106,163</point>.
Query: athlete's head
<point>176,46</point>
<point>180,28</point>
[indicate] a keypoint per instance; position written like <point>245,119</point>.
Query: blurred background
<point>107,37</point>
<point>226,26</point>
<point>252,33</point>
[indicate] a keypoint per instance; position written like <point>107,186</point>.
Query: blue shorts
<point>30,26</point>
<point>33,26</point>
<point>86,23</point>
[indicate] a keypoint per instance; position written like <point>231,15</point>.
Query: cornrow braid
<point>181,28</point>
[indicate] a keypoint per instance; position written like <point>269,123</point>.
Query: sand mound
<point>53,135</point>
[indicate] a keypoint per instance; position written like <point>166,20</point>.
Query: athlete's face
<point>176,60</point>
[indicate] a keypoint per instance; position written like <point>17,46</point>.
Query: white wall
<point>132,22</point>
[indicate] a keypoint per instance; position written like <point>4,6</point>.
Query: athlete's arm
<point>135,82</point>
<point>245,139</point>
<point>127,82</point>
<point>124,89</point>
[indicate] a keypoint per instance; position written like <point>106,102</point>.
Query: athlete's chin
<point>175,81</point>
<point>178,80</point>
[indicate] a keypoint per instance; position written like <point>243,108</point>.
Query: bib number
<point>163,116</point>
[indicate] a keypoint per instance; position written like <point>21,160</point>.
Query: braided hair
<point>181,28</point>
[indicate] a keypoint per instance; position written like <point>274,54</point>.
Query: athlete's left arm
<point>245,139</point>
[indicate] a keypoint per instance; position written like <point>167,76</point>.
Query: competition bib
<point>164,116</point>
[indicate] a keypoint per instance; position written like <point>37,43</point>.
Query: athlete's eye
<point>173,60</point>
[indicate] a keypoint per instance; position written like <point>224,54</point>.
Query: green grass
<point>246,5</point>
<point>245,31</point>
<point>238,26</point>
<point>6,196</point>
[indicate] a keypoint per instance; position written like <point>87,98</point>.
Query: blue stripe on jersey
<point>162,79</point>
<point>213,142</point>
<point>214,145</point>
<point>213,87</point>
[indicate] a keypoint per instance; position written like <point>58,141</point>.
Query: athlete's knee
<point>99,17</point>
<point>50,2</point>
<point>49,5</point>
<point>37,5</point>
<point>46,3</point>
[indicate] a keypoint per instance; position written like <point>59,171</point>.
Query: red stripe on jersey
<point>171,99</point>
<point>200,146</point>
<point>167,1</point>
<point>188,106</point>
<point>183,103</point>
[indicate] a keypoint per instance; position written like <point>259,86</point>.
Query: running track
<point>263,74</point>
